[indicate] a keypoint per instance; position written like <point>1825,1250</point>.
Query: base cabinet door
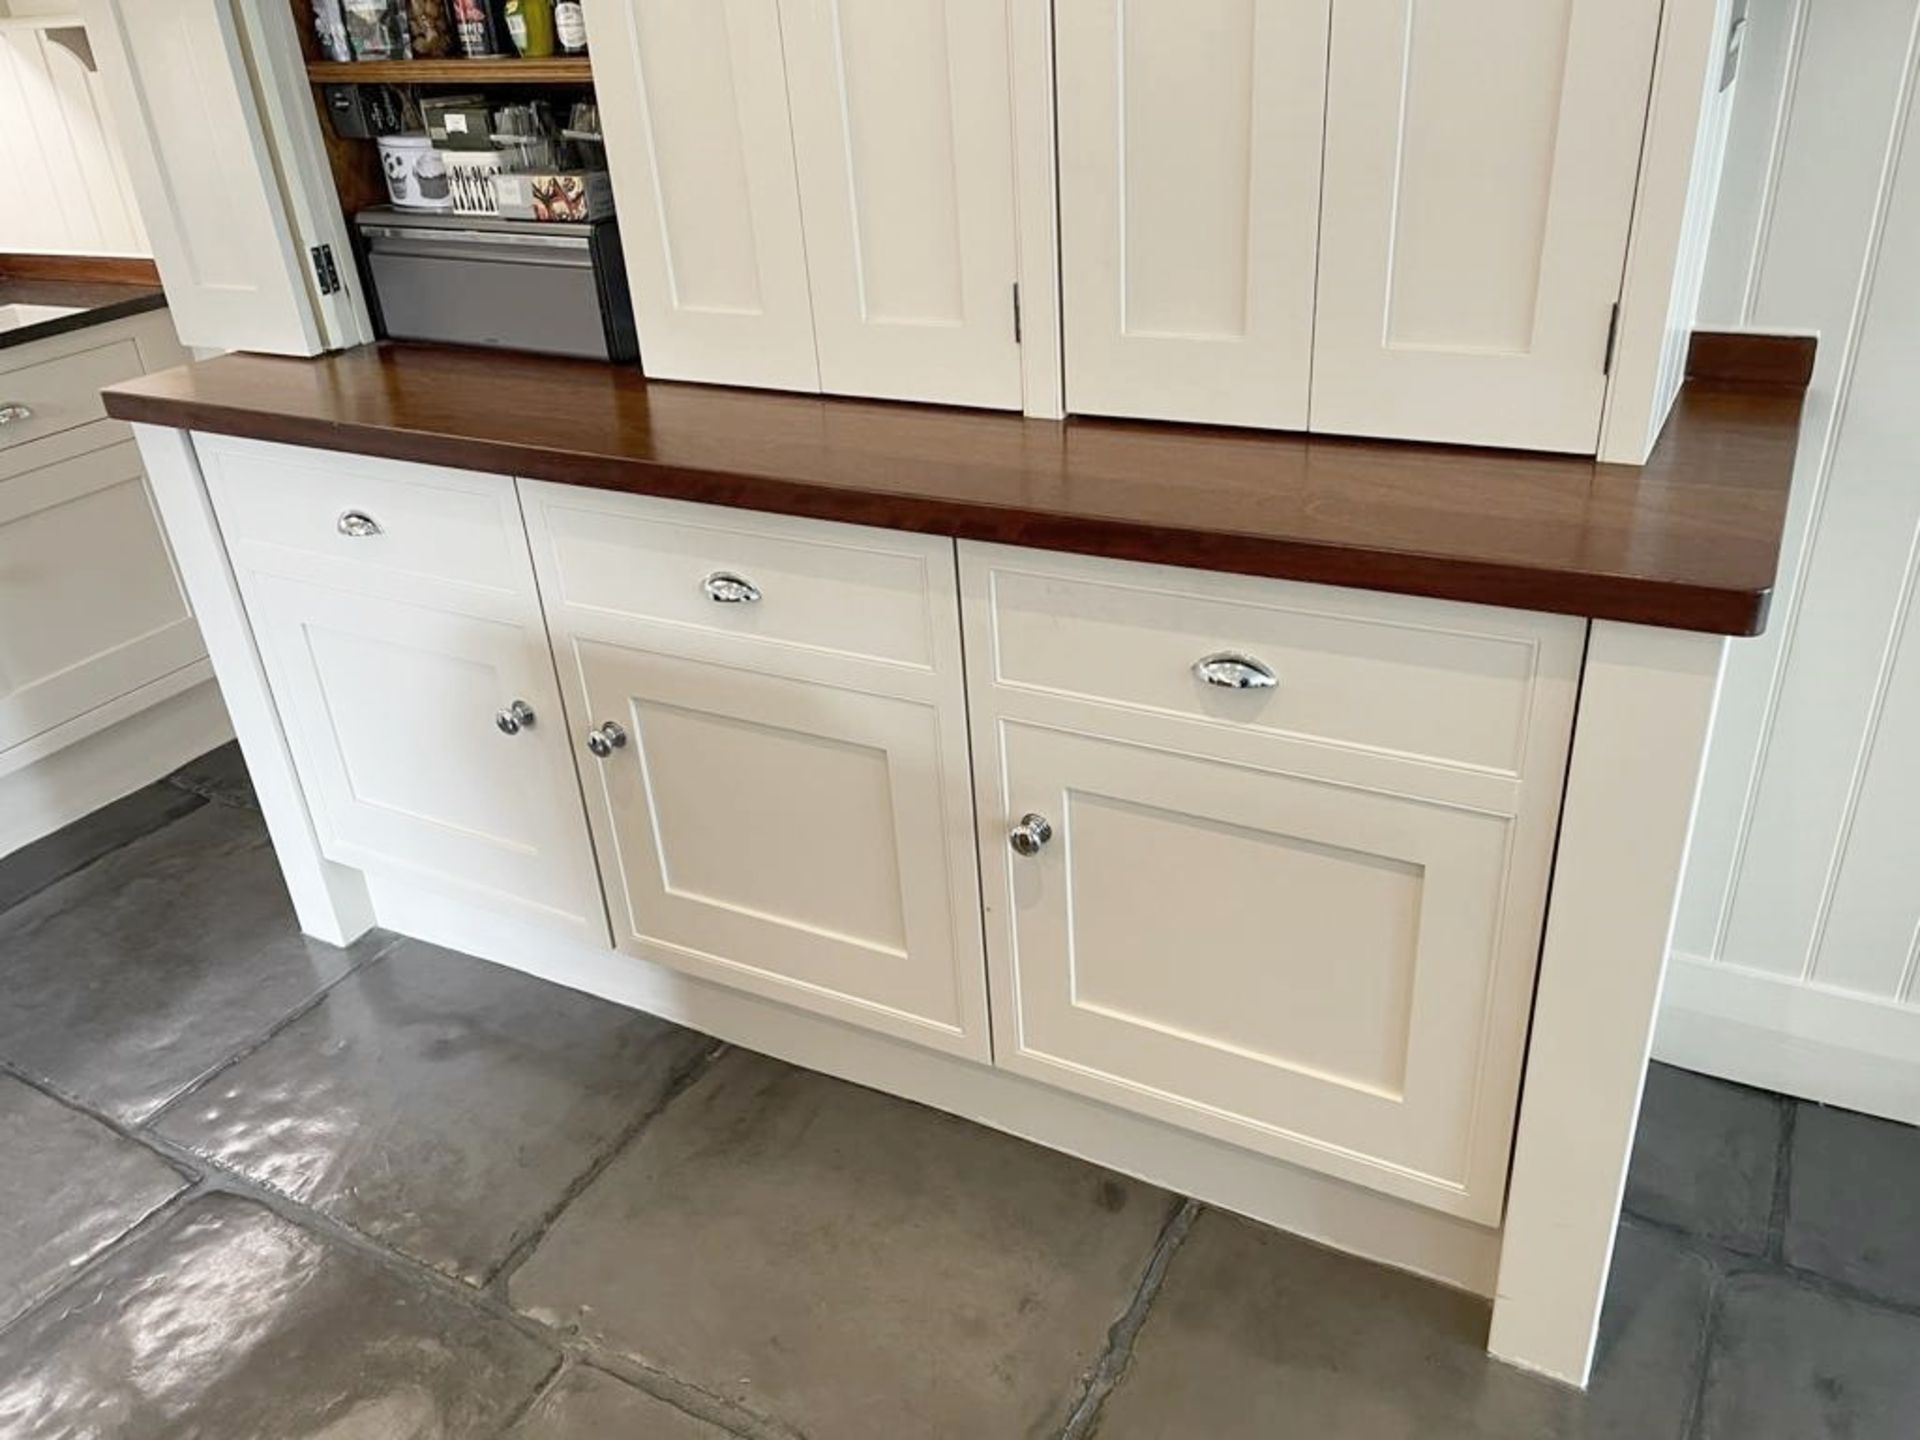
<point>396,616</point>
<point>1234,876</point>
<point>773,735</point>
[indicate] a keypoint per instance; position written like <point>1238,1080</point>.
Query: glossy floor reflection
<point>252,1186</point>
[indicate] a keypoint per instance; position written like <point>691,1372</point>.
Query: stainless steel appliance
<point>552,288</point>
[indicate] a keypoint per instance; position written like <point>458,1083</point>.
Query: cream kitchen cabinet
<point>780,786</point>
<point>1269,861</point>
<point>817,194</point>
<point>398,623</point>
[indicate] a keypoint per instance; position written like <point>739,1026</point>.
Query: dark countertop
<point>99,302</point>
<point>1691,540</point>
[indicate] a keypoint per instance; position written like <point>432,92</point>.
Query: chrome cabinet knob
<point>516,717</point>
<point>604,739</point>
<point>14,414</point>
<point>1030,834</point>
<point>726,588</point>
<point>356,524</point>
<point>1231,671</point>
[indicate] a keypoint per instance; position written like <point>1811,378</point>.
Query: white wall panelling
<point>1480,165</point>
<point>63,184</point>
<point>1189,142</point>
<point>1800,925</point>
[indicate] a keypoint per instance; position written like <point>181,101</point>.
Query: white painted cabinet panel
<point>693,96</point>
<point>902,137</point>
<point>93,606</point>
<point>390,675</point>
<point>1480,168</point>
<point>203,170</point>
<point>780,811</point>
<point>1260,914</point>
<point>1189,151</point>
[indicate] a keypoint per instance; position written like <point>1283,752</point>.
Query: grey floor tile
<point>590,1404</point>
<point>225,1322</point>
<point>1705,1158</point>
<point>1853,1207</point>
<point>53,857</point>
<point>438,1102</point>
<point>69,1187</point>
<point>129,980</point>
<point>850,1263</point>
<point>219,775</point>
<point>1256,1334</point>
<point>1791,1363</point>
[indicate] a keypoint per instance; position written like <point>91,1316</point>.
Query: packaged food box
<point>560,195</point>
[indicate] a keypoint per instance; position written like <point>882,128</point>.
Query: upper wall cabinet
<point>821,192</point>
<point>1189,195</point>
<point>1480,167</point>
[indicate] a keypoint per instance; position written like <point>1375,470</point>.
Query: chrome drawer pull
<point>14,414</point>
<point>606,738</point>
<point>726,588</point>
<point>1030,834</point>
<point>1235,672</point>
<point>356,524</point>
<point>516,717</point>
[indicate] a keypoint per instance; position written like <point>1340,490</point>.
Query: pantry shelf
<point>559,70</point>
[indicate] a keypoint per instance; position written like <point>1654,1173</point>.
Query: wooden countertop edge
<point>1632,599</point>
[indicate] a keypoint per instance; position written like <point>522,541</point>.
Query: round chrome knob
<point>604,739</point>
<point>516,717</point>
<point>13,414</point>
<point>1232,671</point>
<point>727,588</point>
<point>356,524</point>
<point>1030,834</point>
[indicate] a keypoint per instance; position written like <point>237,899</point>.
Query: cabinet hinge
<point>1016,312</point>
<point>325,273</point>
<point>1613,334</point>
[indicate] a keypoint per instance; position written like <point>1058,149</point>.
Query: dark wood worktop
<point>94,291</point>
<point>1691,540</point>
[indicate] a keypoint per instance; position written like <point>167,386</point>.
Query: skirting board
<point>1341,1216</point>
<point>57,788</point>
<point>1837,1047</point>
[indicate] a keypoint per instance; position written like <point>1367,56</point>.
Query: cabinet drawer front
<point>838,590</point>
<point>64,393</point>
<point>1330,975</point>
<point>1425,680</point>
<point>427,523</point>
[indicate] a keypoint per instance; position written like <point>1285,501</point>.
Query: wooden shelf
<point>560,70</point>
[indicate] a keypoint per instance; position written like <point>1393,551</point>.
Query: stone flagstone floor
<point>253,1186</point>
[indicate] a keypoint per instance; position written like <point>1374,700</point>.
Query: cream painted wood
<point>204,172</point>
<point>329,899</point>
<point>1480,167</point>
<point>92,604</point>
<point>1646,705</point>
<point>693,98</point>
<point>789,815</point>
<point>1318,945</point>
<point>1190,152</point>
<point>1037,188</point>
<point>903,142</point>
<point>62,392</point>
<point>389,676</point>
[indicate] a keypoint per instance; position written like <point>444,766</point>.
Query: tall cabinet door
<point>902,135</point>
<point>693,96</point>
<point>1480,169</point>
<point>1189,194</point>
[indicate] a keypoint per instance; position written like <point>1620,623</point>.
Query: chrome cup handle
<point>725,588</point>
<point>356,524</point>
<point>1232,671</point>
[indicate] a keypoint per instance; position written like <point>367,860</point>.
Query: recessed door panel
<point>1480,169</point>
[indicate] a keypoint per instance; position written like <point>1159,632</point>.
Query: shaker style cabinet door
<point>398,623</point>
<point>902,135</point>
<point>1480,167</point>
<point>1190,136</point>
<point>693,99</point>
<point>772,733</point>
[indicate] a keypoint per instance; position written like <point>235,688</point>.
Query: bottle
<point>530,22</point>
<point>570,25</point>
